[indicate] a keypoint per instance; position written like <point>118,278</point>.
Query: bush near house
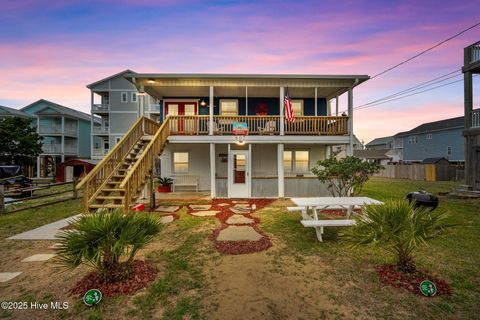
<point>345,177</point>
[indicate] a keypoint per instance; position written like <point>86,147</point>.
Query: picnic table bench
<point>319,224</point>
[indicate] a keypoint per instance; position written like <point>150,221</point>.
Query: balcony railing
<point>476,118</point>
<point>99,152</point>
<point>70,130</point>
<point>52,148</point>
<point>474,51</point>
<point>45,129</point>
<point>100,107</point>
<point>70,148</point>
<point>100,129</point>
<point>153,108</point>
<point>259,125</point>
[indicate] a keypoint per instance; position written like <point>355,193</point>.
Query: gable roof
<point>14,112</point>
<point>445,124</point>
<point>378,141</point>
<point>372,154</point>
<point>110,77</point>
<point>62,109</point>
<point>434,160</point>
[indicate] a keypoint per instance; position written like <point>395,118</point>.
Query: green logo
<point>428,288</point>
<point>92,297</point>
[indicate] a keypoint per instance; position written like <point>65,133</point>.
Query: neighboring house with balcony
<point>432,140</point>
<point>7,112</point>
<point>194,133</point>
<point>65,132</point>
<point>471,130</point>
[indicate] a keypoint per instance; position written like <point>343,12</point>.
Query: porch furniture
<point>269,128</point>
<point>185,181</point>
<point>319,224</point>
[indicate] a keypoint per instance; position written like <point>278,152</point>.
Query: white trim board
<point>334,140</point>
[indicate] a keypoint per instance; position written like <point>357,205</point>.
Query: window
<point>180,162</point>
<point>117,139</point>
<point>124,97</point>
<point>134,97</point>
<point>429,136</point>
<point>296,161</point>
<point>228,107</point>
<point>413,140</point>
<point>297,106</point>
<point>449,151</point>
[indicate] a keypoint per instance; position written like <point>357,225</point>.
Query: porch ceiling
<point>229,91</point>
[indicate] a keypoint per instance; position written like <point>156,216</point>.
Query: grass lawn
<point>298,278</point>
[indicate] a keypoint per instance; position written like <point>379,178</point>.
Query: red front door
<point>184,125</point>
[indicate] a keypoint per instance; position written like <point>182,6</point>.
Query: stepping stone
<point>239,233</point>
<point>239,219</point>
<point>240,201</point>
<point>223,204</point>
<point>242,206</point>
<point>240,210</point>
<point>39,257</point>
<point>200,206</point>
<point>166,219</point>
<point>55,246</point>
<point>167,208</point>
<point>7,276</point>
<point>207,213</point>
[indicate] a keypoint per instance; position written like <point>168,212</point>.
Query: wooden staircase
<point>117,180</point>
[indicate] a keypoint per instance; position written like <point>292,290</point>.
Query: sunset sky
<point>53,49</point>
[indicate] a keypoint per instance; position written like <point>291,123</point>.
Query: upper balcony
<point>56,129</point>
<point>472,58</point>
<point>259,125</point>
<point>101,108</point>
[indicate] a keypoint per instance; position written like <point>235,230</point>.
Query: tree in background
<point>345,177</point>
<point>19,141</point>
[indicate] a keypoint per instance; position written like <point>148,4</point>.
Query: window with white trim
<point>134,97</point>
<point>124,97</point>
<point>297,106</point>
<point>229,107</point>
<point>296,161</point>
<point>180,162</point>
<point>413,140</point>
<point>449,150</point>
<point>429,136</point>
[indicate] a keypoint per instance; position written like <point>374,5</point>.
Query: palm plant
<point>397,227</point>
<point>165,181</point>
<point>107,241</point>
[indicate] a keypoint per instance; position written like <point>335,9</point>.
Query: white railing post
<point>210,107</point>
<point>281,171</point>
<point>282,109</point>
<point>350,121</point>
<point>212,171</point>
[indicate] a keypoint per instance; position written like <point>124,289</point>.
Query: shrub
<point>345,177</point>
<point>165,181</point>
<point>107,241</point>
<point>397,227</point>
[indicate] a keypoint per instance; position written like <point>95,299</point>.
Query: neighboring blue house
<point>442,138</point>
<point>383,143</point>
<point>7,112</point>
<point>66,135</point>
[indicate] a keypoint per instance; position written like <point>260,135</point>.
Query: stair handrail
<point>105,168</point>
<point>136,175</point>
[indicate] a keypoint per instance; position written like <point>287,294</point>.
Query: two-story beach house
<point>471,131</point>
<point>222,133</point>
<point>65,132</point>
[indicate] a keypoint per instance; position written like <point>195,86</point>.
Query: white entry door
<point>238,174</point>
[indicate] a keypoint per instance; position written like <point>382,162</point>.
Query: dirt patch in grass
<point>389,274</point>
<point>142,274</point>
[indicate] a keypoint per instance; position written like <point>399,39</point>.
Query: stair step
<point>146,138</point>
<point>109,197</point>
<point>106,206</point>
<point>113,190</point>
<point>118,176</point>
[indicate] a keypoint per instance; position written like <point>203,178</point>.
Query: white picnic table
<point>323,203</point>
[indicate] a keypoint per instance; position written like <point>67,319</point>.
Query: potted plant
<point>164,184</point>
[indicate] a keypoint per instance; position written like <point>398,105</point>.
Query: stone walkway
<point>46,232</point>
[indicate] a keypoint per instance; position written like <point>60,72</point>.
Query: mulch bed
<point>143,273</point>
<point>240,247</point>
<point>389,274</point>
<point>338,212</point>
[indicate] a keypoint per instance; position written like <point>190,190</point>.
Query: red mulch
<point>337,212</point>
<point>389,274</point>
<point>240,247</point>
<point>143,273</point>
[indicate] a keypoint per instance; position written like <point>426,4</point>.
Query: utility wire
<point>426,50</point>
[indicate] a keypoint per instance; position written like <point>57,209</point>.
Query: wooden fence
<point>28,196</point>
<point>422,172</point>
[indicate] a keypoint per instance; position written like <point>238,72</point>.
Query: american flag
<point>288,108</point>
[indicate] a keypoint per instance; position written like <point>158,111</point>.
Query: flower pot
<point>163,189</point>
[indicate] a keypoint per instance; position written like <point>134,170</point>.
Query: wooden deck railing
<point>258,125</point>
<point>100,174</point>
<point>140,171</point>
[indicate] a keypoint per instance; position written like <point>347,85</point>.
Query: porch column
<point>212,171</point>
<point>282,111</point>
<point>468,99</point>
<point>63,136</point>
<point>246,100</point>
<point>281,171</point>
<point>316,102</point>
<point>210,126</point>
<point>329,107</point>
<point>38,166</point>
<point>350,121</point>
<point>336,106</point>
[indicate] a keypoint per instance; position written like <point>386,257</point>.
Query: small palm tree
<point>398,227</point>
<point>107,242</point>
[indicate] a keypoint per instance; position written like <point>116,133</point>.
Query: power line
<point>426,50</point>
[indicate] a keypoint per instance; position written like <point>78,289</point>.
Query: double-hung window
<point>180,162</point>
<point>134,97</point>
<point>124,97</point>
<point>228,107</point>
<point>296,161</point>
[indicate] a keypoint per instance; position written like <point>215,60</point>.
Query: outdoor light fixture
<point>240,140</point>
<point>151,81</point>
<point>203,103</point>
